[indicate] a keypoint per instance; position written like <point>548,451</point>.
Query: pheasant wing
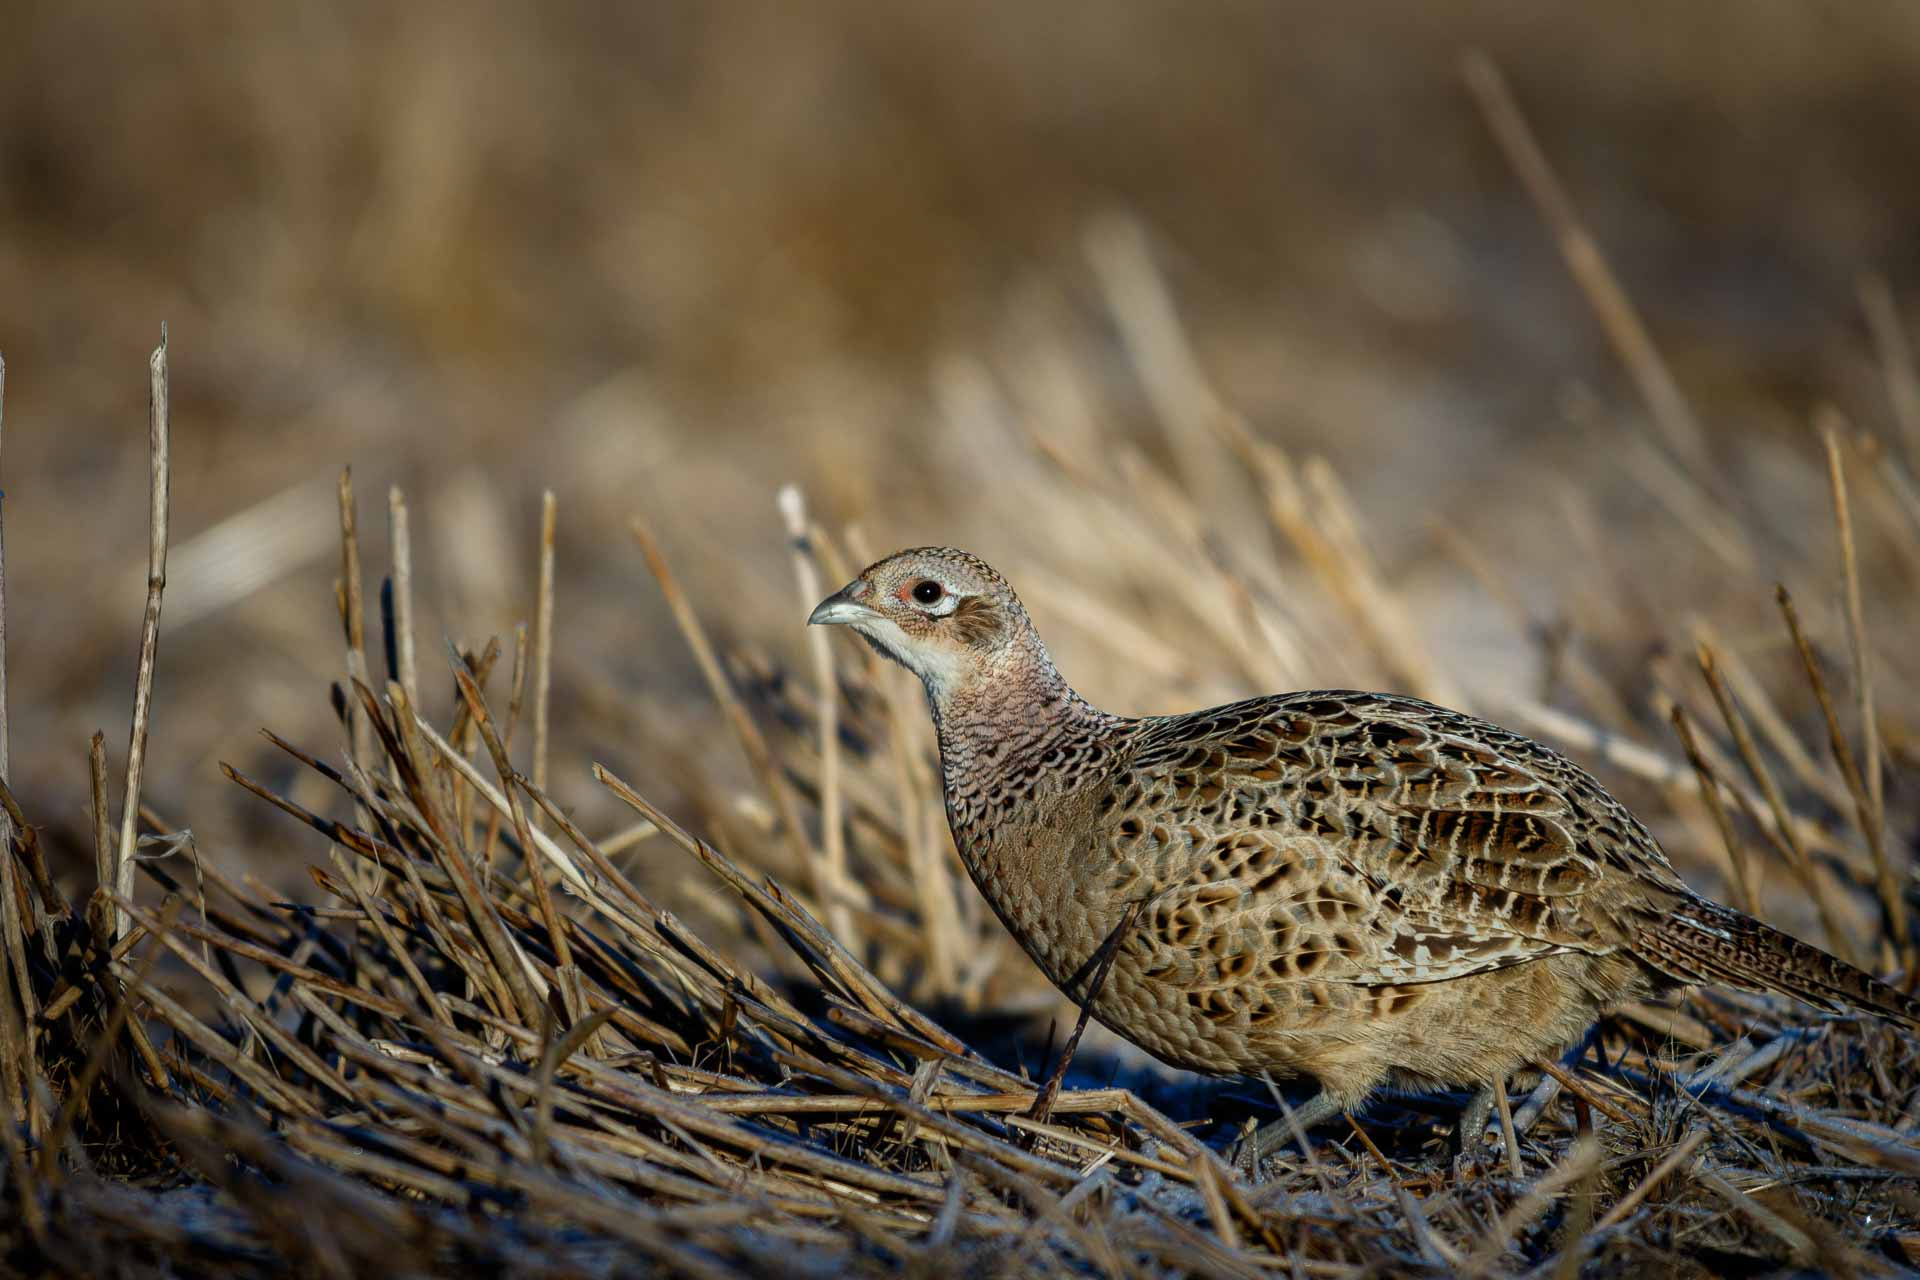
<point>1349,838</point>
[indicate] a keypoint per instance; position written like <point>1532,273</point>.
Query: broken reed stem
<point>1624,328</point>
<point>81,1086</point>
<point>1582,1093</point>
<point>1507,1133</point>
<point>542,892</point>
<point>523,983</point>
<point>1710,792</point>
<point>1580,1159</point>
<point>1785,835</point>
<point>1660,1173</point>
<point>516,700</point>
<point>830,871</point>
<point>13,970</point>
<point>465,768</point>
<point>463,735</point>
<point>1802,762</point>
<point>1896,358</point>
<point>543,643</point>
<point>16,1068</point>
<point>752,742</point>
<point>1142,306</point>
<point>401,539</point>
<point>160,475</point>
<point>1856,621</point>
<point>353,622</point>
<point>1893,906</point>
<point>103,858</point>
<point>6,774</point>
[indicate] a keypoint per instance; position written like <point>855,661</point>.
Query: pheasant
<point>1361,889</point>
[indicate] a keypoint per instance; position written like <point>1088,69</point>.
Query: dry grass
<point>484,1045</point>
<point>571,1036</point>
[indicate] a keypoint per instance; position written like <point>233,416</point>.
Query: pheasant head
<point>947,617</point>
<point>999,704</point>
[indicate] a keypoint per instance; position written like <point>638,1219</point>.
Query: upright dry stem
<point>1856,623</point>
<point>1893,906</point>
<point>160,474</point>
<point>353,621</point>
<point>1710,792</point>
<point>1624,328</point>
<point>830,870</point>
<point>400,536</point>
<point>10,1080</point>
<point>752,741</point>
<point>1895,350</point>
<point>1784,831</point>
<point>103,846</point>
<point>6,827</point>
<point>543,644</point>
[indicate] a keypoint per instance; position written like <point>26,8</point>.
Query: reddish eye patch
<point>924,592</point>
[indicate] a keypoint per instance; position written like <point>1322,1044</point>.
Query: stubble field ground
<point>1261,350</point>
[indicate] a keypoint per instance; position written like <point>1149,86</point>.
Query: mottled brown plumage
<point>1358,888</point>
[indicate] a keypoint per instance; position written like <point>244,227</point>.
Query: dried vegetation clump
<point>482,1044</point>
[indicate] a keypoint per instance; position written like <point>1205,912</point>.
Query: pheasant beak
<point>842,607</point>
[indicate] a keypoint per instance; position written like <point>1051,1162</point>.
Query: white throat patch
<point>938,669</point>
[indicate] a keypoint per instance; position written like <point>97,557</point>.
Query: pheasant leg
<point>1473,1122</point>
<point>1252,1151</point>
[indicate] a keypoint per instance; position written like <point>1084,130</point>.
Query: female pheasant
<point>1357,888</point>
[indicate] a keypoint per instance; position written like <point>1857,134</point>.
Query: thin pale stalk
<point>1507,1133</point>
<point>402,551</point>
<point>1580,1159</point>
<point>516,700</point>
<point>1893,906</point>
<point>1856,624</point>
<point>522,981</point>
<point>18,1106</point>
<point>1895,350</point>
<point>1659,1174</point>
<point>10,1079</point>
<point>541,842</point>
<point>752,741</point>
<point>12,910</point>
<point>1710,792</point>
<point>160,470</point>
<point>80,1087</point>
<point>1783,832</point>
<point>543,644</point>
<point>103,846</point>
<point>462,738</point>
<point>1692,507</point>
<point>543,894</point>
<point>1624,328</point>
<point>6,821</point>
<point>395,947</point>
<point>1774,730</point>
<point>353,622</point>
<point>1188,407</point>
<point>830,870</point>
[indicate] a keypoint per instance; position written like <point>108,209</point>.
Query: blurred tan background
<point>664,258</point>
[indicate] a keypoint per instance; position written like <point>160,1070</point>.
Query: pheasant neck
<point>1015,744</point>
<point>1015,722</point>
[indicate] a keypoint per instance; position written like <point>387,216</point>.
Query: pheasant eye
<point>928,592</point>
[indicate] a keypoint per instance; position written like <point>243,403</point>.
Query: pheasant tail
<point>1702,941</point>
